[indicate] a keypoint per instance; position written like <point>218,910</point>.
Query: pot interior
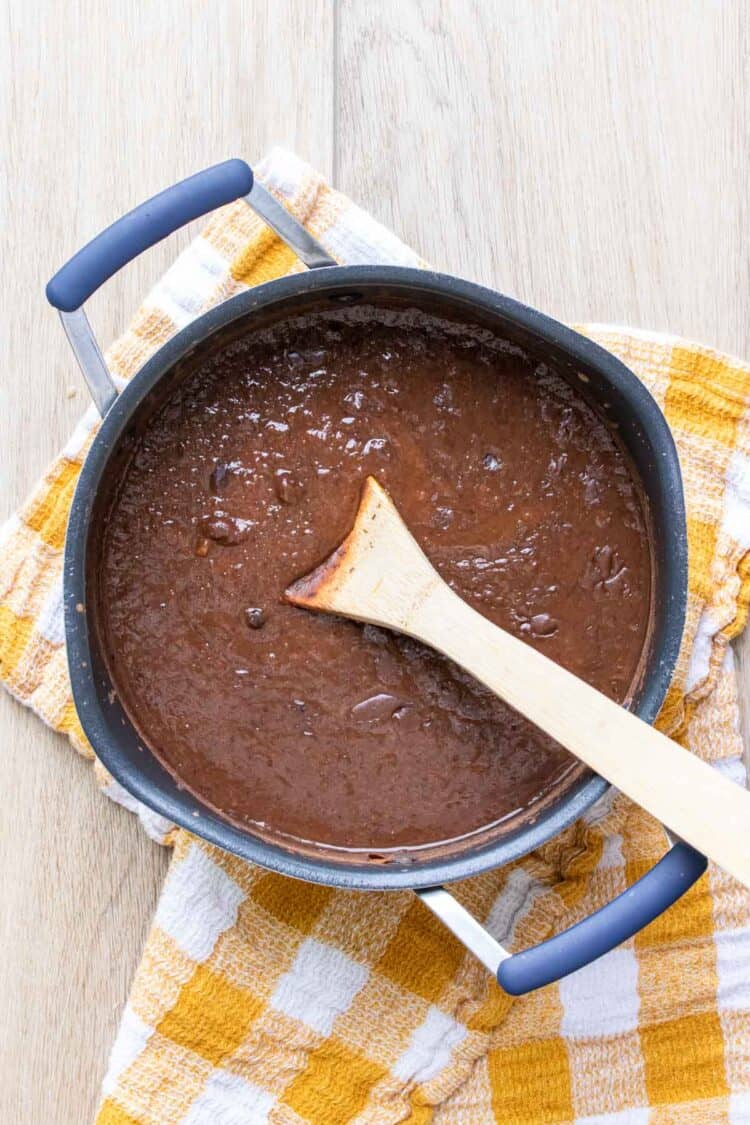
<point>600,380</point>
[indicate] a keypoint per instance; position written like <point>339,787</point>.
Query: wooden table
<point>587,157</point>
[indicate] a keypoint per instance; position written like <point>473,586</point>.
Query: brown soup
<point>249,475</point>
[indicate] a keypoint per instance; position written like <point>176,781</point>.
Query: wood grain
<point>589,156</point>
<point>102,106</point>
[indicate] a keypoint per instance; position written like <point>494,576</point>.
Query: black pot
<point>611,387</point>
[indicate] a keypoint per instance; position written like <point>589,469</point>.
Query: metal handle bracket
<point>82,340</point>
<point>147,225</point>
<point>582,943</point>
<point>289,230</point>
<point>465,927</point>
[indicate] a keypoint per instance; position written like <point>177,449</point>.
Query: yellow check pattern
<point>260,999</point>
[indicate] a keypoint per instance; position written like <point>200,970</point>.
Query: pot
<point>618,395</point>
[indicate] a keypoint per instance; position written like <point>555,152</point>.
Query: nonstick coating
<point>619,395</point>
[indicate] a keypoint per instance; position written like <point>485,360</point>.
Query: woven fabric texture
<point>263,999</point>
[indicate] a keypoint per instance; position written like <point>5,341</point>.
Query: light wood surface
<point>587,156</point>
<point>380,575</point>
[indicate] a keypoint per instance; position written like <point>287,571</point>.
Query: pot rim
<point>180,806</point>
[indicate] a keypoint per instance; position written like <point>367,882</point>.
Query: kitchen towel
<point>263,999</point>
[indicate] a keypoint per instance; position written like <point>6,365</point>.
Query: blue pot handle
<point>614,923</point>
<point>143,227</point>
<point>619,920</point>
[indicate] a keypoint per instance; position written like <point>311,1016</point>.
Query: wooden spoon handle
<point>380,574</point>
<point>700,805</point>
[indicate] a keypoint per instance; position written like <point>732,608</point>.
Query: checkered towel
<point>263,999</point>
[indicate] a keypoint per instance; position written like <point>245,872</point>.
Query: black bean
<point>220,476</point>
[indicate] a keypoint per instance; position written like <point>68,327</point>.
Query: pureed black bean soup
<point>250,474</point>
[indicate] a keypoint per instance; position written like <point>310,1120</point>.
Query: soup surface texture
<point>250,474</point>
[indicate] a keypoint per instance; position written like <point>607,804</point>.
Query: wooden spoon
<point>380,575</point>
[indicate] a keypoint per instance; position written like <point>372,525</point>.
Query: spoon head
<point>373,572</point>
